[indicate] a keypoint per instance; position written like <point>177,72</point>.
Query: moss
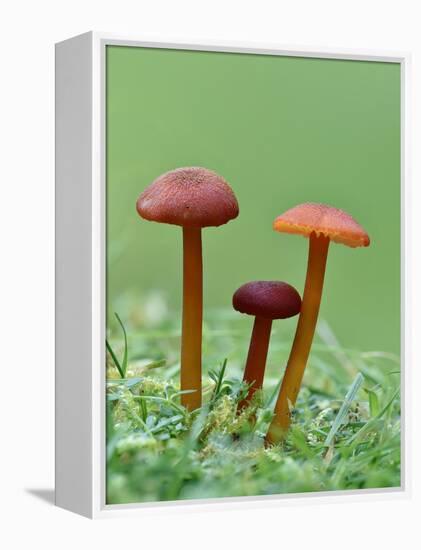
<point>157,450</point>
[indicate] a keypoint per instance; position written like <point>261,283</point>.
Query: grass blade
<point>125,354</point>
<point>221,377</point>
<point>366,428</point>
<point>114,358</point>
<point>373,401</point>
<point>349,398</point>
<point>272,398</point>
<point>121,367</point>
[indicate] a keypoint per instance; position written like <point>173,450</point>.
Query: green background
<point>282,131</point>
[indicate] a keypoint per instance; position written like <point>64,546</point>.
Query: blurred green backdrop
<point>281,130</point>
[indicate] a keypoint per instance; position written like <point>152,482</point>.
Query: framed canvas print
<point>230,274</point>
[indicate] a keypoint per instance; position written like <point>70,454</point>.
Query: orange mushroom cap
<point>190,197</point>
<point>321,219</point>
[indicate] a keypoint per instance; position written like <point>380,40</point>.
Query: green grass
<point>345,432</point>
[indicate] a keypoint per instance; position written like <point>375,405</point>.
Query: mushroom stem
<point>256,358</point>
<point>191,338</point>
<point>318,249</point>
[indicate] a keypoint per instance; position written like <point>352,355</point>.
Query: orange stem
<point>256,358</point>
<point>191,338</point>
<point>318,249</point>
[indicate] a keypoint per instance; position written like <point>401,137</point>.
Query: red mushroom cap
<point>321,219</point>
<point>190,197</point>
<point>267,299</point>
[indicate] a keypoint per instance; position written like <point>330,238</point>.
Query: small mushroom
<point>193,198</point>
<point>321,224</point>
<point>266,301</point>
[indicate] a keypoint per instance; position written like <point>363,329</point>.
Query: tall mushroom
<point>321,224</point>
<point>193,198</point>
<point>266,301</point>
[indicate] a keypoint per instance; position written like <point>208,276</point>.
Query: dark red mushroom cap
<point>267,299</point>
<point>190,197</point>
<point>322,219</point>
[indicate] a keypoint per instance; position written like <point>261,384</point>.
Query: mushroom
<point>266,301</point>
<point>193,198</point>
<point>321,224</point>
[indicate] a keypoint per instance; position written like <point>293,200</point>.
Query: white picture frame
<point>80,274</point>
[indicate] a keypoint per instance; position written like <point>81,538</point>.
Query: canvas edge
<point>406,276</point>
<point>73,255</point>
